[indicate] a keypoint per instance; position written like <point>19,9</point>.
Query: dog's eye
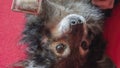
<point>60,48</point>
<point>84,45</point>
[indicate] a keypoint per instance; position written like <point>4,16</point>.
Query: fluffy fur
<point>83,49</point>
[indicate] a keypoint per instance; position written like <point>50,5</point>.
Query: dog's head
<point>64,35</point>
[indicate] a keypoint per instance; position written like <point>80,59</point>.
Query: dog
<point>66,34</point>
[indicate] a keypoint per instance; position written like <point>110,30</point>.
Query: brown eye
<point>84,45</point>
<point>60,48</point>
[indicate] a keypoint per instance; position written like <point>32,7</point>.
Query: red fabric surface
<point>12,24</point>
<point>112,34</point>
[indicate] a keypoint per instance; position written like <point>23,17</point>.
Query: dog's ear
<point>47,8</point>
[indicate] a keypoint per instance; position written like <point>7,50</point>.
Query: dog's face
<point>68,42</point>
<point>63,37</point>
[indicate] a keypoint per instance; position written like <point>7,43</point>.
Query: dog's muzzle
<point>67,22</point>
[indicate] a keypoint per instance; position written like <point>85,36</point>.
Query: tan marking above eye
<point>60,49</point>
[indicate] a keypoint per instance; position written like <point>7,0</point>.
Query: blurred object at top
<point>27,6</point>
<point>104,4</point>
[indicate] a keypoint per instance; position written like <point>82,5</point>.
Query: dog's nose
<point>64,27</point>
<point>75,21</point>
<point>72,19</point>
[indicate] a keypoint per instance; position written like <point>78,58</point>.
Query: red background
<point>12,24</point>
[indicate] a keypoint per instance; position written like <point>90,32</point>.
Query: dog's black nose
<point>75,21</point>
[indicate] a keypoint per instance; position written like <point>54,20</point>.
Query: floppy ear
<point>47,8</point>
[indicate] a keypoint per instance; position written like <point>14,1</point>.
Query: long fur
<point>53,11</point>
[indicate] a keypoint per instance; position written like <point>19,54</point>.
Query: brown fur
<point>84,42</point>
